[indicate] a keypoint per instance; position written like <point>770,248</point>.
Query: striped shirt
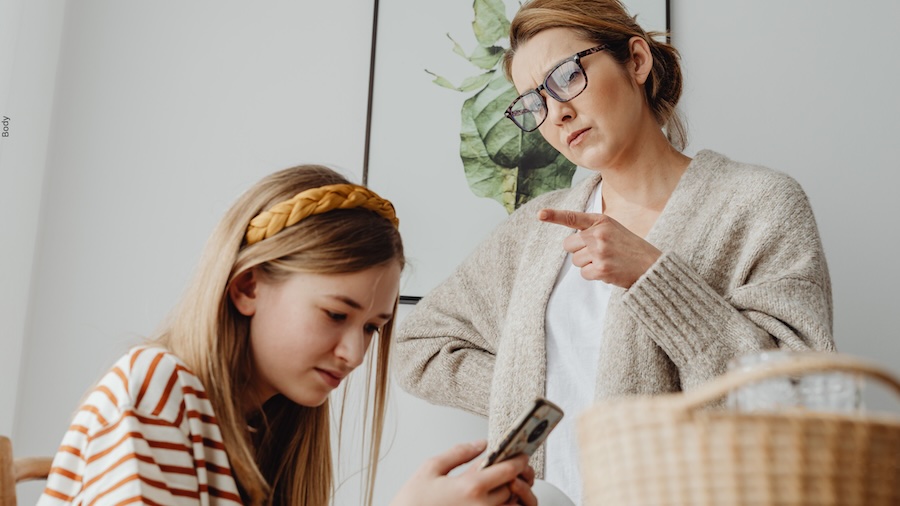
<point>146,434</point>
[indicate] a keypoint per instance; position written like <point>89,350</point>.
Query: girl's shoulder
<point>152,381</point>
<point>147,357</point>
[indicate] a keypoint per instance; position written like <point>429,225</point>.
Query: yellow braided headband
<point>317,201</point>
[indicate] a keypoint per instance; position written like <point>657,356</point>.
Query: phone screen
<point>529,431</point>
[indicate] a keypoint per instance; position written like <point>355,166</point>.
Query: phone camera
<point>536,433</point>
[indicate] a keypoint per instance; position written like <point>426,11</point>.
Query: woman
<point>229,404</point>
<point>643,279</point>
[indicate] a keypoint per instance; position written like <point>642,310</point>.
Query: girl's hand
<point>507,482</point>
<point>603,248</point>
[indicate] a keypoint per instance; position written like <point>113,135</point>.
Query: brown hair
<point>289,459</point>
<point>608,22</point>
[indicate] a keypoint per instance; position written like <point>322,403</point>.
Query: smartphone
<point>529,431</point>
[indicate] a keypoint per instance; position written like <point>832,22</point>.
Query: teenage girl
<point>229,402</point>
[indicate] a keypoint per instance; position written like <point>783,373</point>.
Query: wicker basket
<point>675,449</point>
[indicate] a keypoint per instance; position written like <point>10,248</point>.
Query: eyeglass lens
<point>564,83</point>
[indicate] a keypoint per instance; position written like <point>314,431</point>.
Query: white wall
<point>29,46</point>
<point>157,129</point>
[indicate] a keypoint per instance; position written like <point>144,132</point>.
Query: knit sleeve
<point>756,279</point>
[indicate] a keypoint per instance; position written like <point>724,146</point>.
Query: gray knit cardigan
<point>742,269</point>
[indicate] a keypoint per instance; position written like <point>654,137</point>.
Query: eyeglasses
<point>565,82</point>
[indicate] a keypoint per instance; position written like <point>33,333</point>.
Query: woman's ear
<point>242,292</point>
<point>641,59</point>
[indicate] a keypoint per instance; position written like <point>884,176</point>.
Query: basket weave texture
<point>676,449</point>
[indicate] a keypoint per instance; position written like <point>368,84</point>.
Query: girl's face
<point>599,127</point>
<point>309,331</point>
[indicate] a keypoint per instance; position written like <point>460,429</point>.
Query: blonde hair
<point>608,22</point>
<point>289,460</point>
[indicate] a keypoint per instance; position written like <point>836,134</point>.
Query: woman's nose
<point>559,112</point>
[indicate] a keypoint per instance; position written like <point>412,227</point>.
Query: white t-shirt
<point>574,327</point>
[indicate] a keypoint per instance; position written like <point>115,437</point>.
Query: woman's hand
<point>507,482</point>
<point>603,248</point>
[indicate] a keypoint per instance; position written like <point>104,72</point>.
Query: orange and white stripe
<point>146,434</point>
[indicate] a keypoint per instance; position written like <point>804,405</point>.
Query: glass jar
<point>820,391</point>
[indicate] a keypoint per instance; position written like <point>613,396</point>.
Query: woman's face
<point>600,127</point>
<point>309,331</point>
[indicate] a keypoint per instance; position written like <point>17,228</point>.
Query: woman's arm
<point>447,345</point>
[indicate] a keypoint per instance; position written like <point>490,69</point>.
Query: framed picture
<point>437,143</point>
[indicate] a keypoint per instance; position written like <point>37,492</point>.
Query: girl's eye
<point>370,328</point>
<point>338,317</point>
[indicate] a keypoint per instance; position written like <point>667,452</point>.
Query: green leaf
<point>475,82</point>
<point>487,57</point>
<point>501,137</point>
<point>442,81</point>
<point>536,151</point>
<point>482,57</point>
<point>485,178</point>
<point>490,24</point>
<point>468,84</point>
<point>457,48</point>
<point>534,180</point>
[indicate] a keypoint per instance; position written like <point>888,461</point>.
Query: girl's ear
<point>641,59</point>
<point>243,292</point>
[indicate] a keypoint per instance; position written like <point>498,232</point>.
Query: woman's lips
<point>575,137</point>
